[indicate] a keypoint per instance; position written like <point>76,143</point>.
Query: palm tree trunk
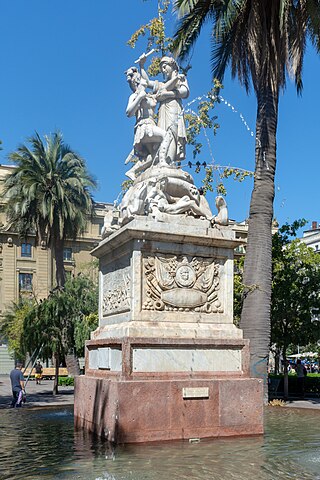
<point>72,363</point>
<point>60,271</point>
<point>70,357</point>
<point>56,374</point>
<point>255,315</point>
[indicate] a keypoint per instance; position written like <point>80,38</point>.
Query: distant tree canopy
<point>60,324</point>
<point>11,326</point>
<point>295,290</point>
<point>63,320</point>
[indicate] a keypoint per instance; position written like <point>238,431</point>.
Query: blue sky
<point>62,67</point>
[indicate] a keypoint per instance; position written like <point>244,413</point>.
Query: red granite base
<point>125,411</point>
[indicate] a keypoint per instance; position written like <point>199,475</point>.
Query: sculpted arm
<point>183,88</point>
<point>144,75</point>
<point>183,92</point>
<point>172,83</point>
<point>134,103</point>
<point>176,87</point>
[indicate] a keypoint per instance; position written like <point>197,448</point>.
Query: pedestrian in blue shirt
<point>17,384</point>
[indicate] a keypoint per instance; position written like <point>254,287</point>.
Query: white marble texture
<point>160,189</point>
<point>125,285</point>
<point>94,359</point>
<point>186,258</point>
<point>168,330</point>
<point>186,360</point>
<point>105,358</point>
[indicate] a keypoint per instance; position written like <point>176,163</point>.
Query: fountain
<point>166,361</point>
<point>42,444</point>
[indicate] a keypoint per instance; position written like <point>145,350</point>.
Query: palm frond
<point>313,8</point>
<point>191,23</point>
<point>49,190</point>
<point>261,41</point>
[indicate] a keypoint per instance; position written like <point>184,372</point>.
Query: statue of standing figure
<point>147,135</point>
<point>162,143</point>
<point>169,94</point>
<point>160,188</point>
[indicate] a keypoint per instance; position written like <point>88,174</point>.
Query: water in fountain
<point>42,444</point>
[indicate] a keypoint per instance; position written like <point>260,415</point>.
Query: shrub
<point>66,382</point>
<point>312,383</point>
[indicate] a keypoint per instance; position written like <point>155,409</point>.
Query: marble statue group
<point>160,188</point>
<point>166,328</point>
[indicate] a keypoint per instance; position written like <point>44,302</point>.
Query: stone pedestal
<point>167,361</point>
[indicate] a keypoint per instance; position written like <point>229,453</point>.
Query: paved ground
<point>37,395</point>
<point>298,402</point>
<point>306,403</point>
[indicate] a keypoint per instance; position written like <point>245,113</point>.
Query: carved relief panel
<point>116,290</point>
<point>182,283</point>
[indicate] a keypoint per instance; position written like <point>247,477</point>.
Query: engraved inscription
<point>196,392</point>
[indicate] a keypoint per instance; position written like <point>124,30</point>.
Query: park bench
<point>47,372</point>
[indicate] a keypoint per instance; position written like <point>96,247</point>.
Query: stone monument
<point>166,362</point>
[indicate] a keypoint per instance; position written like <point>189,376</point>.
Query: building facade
<point>311,237</point>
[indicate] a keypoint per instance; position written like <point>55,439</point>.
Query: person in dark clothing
<point>38,368</point>
<point>17,384</point>
<point>301,372</point>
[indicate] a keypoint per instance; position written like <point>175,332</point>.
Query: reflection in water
<point>41,444</point>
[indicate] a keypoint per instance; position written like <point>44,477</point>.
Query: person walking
<point>301,372</point>
<point>39,370</point>
<point>17,385</point>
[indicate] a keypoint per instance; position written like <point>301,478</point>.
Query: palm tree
<point>262,41</point>
<point>49,193</point>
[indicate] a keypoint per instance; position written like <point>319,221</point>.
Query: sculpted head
<point>162,182</point>
<point>185,276</point>
<point>167,65</point>
<point>185,273</point>
<point>133,78</point>
<point>220,202</point>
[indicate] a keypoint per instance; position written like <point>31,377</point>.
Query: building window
<point>317,247</point>
<point>67,254</point>
<point>26,250</point>
<point>25,281</point>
